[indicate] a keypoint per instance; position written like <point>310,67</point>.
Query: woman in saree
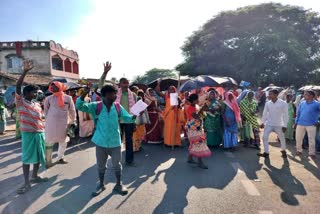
<point>173,119</point>
<point>198,147</point>
<point>212,121</point>
<point>154,130</point>
<point>231,118</point>
<point>250,125</point>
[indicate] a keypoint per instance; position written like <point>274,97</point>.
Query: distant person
<point>274,119</point>
<point>250,133</point>
<point>32,130</point>
<point>58,107</point>
<point>127,99</point>
<point>291,115</point>
<point>307,121</point>
<point>3,119</point>
<point>231,118</point>
<point>212,121</point>
<point>154,130</point>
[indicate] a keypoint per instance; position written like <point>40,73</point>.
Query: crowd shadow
<point>180,177</point>
<point>135,176</point>
<point>21,203</point>
<point>305,160</point>
<point>9,144</point>
<point>283,178</point>
<point>73,194</point>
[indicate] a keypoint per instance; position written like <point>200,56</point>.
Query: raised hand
<point>107,67</point>
<point>27,65</point>
<point>85,91</point>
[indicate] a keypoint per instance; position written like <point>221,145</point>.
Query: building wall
<point>40,58</point>
<point>42,54</point>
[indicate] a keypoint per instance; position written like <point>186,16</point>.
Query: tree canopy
<point>262,44</point>
<point>154,74</point>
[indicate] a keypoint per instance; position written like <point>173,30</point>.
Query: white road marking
<point>246,183</point>
<point>250,188</point>
<point>237,167</point>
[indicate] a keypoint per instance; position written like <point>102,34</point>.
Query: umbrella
<point>190,85</point>
<point>72,86</point>
<point>228,81</point>
<point>310,87</point>
<point>8,94</point>
<point>211,81</point>
<point>203,81</point>
<point>164,84</point>
<point>272,87</point>
<point>140,86</point>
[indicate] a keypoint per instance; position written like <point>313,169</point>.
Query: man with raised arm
<point>32,130</point>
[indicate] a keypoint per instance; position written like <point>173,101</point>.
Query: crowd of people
<point>207,120</point>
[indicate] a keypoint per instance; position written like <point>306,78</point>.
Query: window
<point>67,65</point>
<point>14,62</point>
<point>75,67</point>
<point>57,63</point>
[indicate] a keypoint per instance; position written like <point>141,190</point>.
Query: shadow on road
<point>22,202</point>
<point>73,194</point>
<point>284,179</point>
<point>175,197</point>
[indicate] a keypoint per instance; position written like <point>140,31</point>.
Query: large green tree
<point>154,74</point>
<point>262,44</point>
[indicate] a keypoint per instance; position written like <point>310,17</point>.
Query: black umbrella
<point>164,84</point>
<point>202,81</point>
<point>190,85</point>
<point>72,86</point>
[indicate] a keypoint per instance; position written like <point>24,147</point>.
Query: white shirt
<point>275,114</point>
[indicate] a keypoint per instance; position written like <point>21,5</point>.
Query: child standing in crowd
<point>140,130</point>
<point>198,145</point>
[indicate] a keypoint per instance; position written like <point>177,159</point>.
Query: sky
<point>135,36</point>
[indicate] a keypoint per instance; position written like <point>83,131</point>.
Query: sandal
<point>23,189</point>
<point>38,179</point>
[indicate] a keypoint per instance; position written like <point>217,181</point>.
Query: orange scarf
<point>60,93</point>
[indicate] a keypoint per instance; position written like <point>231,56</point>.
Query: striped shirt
<point>30,115</point>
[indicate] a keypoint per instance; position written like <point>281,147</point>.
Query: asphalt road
<point>162,182</point>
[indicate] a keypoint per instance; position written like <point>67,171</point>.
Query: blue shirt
<point>107,133</point>
<point>308,113</point>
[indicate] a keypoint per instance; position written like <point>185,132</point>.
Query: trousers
<point>278,130</point>
<point>300,132</point>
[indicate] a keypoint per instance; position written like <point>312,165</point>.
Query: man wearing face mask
<point>58,108</point>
